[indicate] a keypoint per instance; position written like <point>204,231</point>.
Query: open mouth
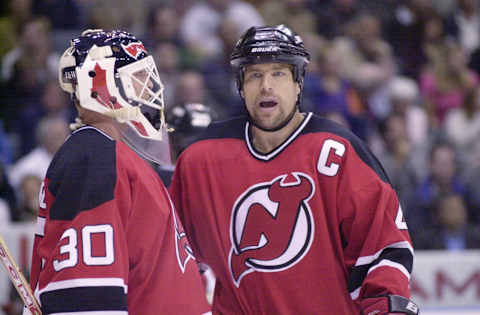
<point>267,104</point>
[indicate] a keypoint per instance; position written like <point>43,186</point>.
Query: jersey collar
<point>281,147</point>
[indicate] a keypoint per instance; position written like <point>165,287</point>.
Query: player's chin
<point>266,125</point>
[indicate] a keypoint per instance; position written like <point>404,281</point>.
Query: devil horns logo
<point>182,247</point>
<point>271,226</point>
<point>134,49</point>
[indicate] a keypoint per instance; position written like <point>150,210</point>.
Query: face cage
<point>142,87</point>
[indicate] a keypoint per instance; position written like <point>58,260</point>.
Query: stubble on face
<point>270,93</point>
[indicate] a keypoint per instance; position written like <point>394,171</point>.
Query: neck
<point>267,141</point>
<point>108,128</point>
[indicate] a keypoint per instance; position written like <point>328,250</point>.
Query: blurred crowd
<point>401,74</point>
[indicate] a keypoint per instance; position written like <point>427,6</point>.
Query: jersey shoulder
<point>322,125</point>
<point>82,174</point>
<point>233,128</point>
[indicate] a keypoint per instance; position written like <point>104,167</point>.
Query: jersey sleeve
<point>377,246</point>
<point>80,257</point>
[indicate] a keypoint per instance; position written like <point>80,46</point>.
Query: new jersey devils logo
<point>272,226</point>
<point>182,247</point>
<point>134,49</point>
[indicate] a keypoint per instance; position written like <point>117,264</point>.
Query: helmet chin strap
<point>283,124</point>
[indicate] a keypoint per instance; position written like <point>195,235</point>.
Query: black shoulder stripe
<point>82,174</point>
<point>402,256</point>
<point>319,124</point>
<point>84,299</point>
<point>232,128</point>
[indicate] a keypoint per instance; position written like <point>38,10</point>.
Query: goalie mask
<point>112,73</point>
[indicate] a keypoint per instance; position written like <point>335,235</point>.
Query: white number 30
<point>70,250</point>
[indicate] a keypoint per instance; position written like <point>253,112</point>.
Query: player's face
<point>270,93</point>
<point>141,84</point>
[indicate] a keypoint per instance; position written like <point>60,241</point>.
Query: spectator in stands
<point>219,78</point>
<point>53,103</point>
<point>443,178</point>
<point>462,125</point>
<point>6,191</point>
<point>405,32</point>
<point>115,14</point>
<point>434,38</point>
<point>327,91</point>
<point>18,12</point>
<point>445,80</point>
<point>463,24</point>
<point>452,230</point>
<point>181,7</point>
<point>6,146</point>
<point>163,26</point>
<point>334,16</point>
<point>168,60</point>
<point>295,12</point>
<point>314,43</point>
<point>368,61</point>
<point>32,56</point>
<point>50,134</point>
<point>191,89</point>
<point>471,175</point>
<point>28,193</point>
<point>198,27</point>
<point>405,100</point>
<point>25,69</point>
<point>399,157</point>
<point>8,199</point>
<point>62,14</point>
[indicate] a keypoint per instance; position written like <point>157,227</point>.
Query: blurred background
<point>403,75</point>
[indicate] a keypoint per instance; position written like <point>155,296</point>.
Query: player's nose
<point>266,83</point>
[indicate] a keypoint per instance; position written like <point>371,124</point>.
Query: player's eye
<point>253,75</point>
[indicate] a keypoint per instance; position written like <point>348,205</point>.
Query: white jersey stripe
<point>94,313</point>
<point>87,282</point>
<point>354,295</point>
<point>40,226</point>
<point>389,263</point>
<point>365,260</point>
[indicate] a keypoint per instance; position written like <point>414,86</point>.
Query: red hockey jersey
<point>309,228</point>
<point>108,240</point>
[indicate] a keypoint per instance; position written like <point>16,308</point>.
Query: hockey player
<point>292,212</point>
<point>108,240</point>
<point>186,122</point>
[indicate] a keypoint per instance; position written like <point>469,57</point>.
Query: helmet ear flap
<point>67,77</point>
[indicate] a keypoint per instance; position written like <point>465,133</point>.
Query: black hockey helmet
<point>270,44</point>
<point>189,118</point>
<point>188,121</point>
